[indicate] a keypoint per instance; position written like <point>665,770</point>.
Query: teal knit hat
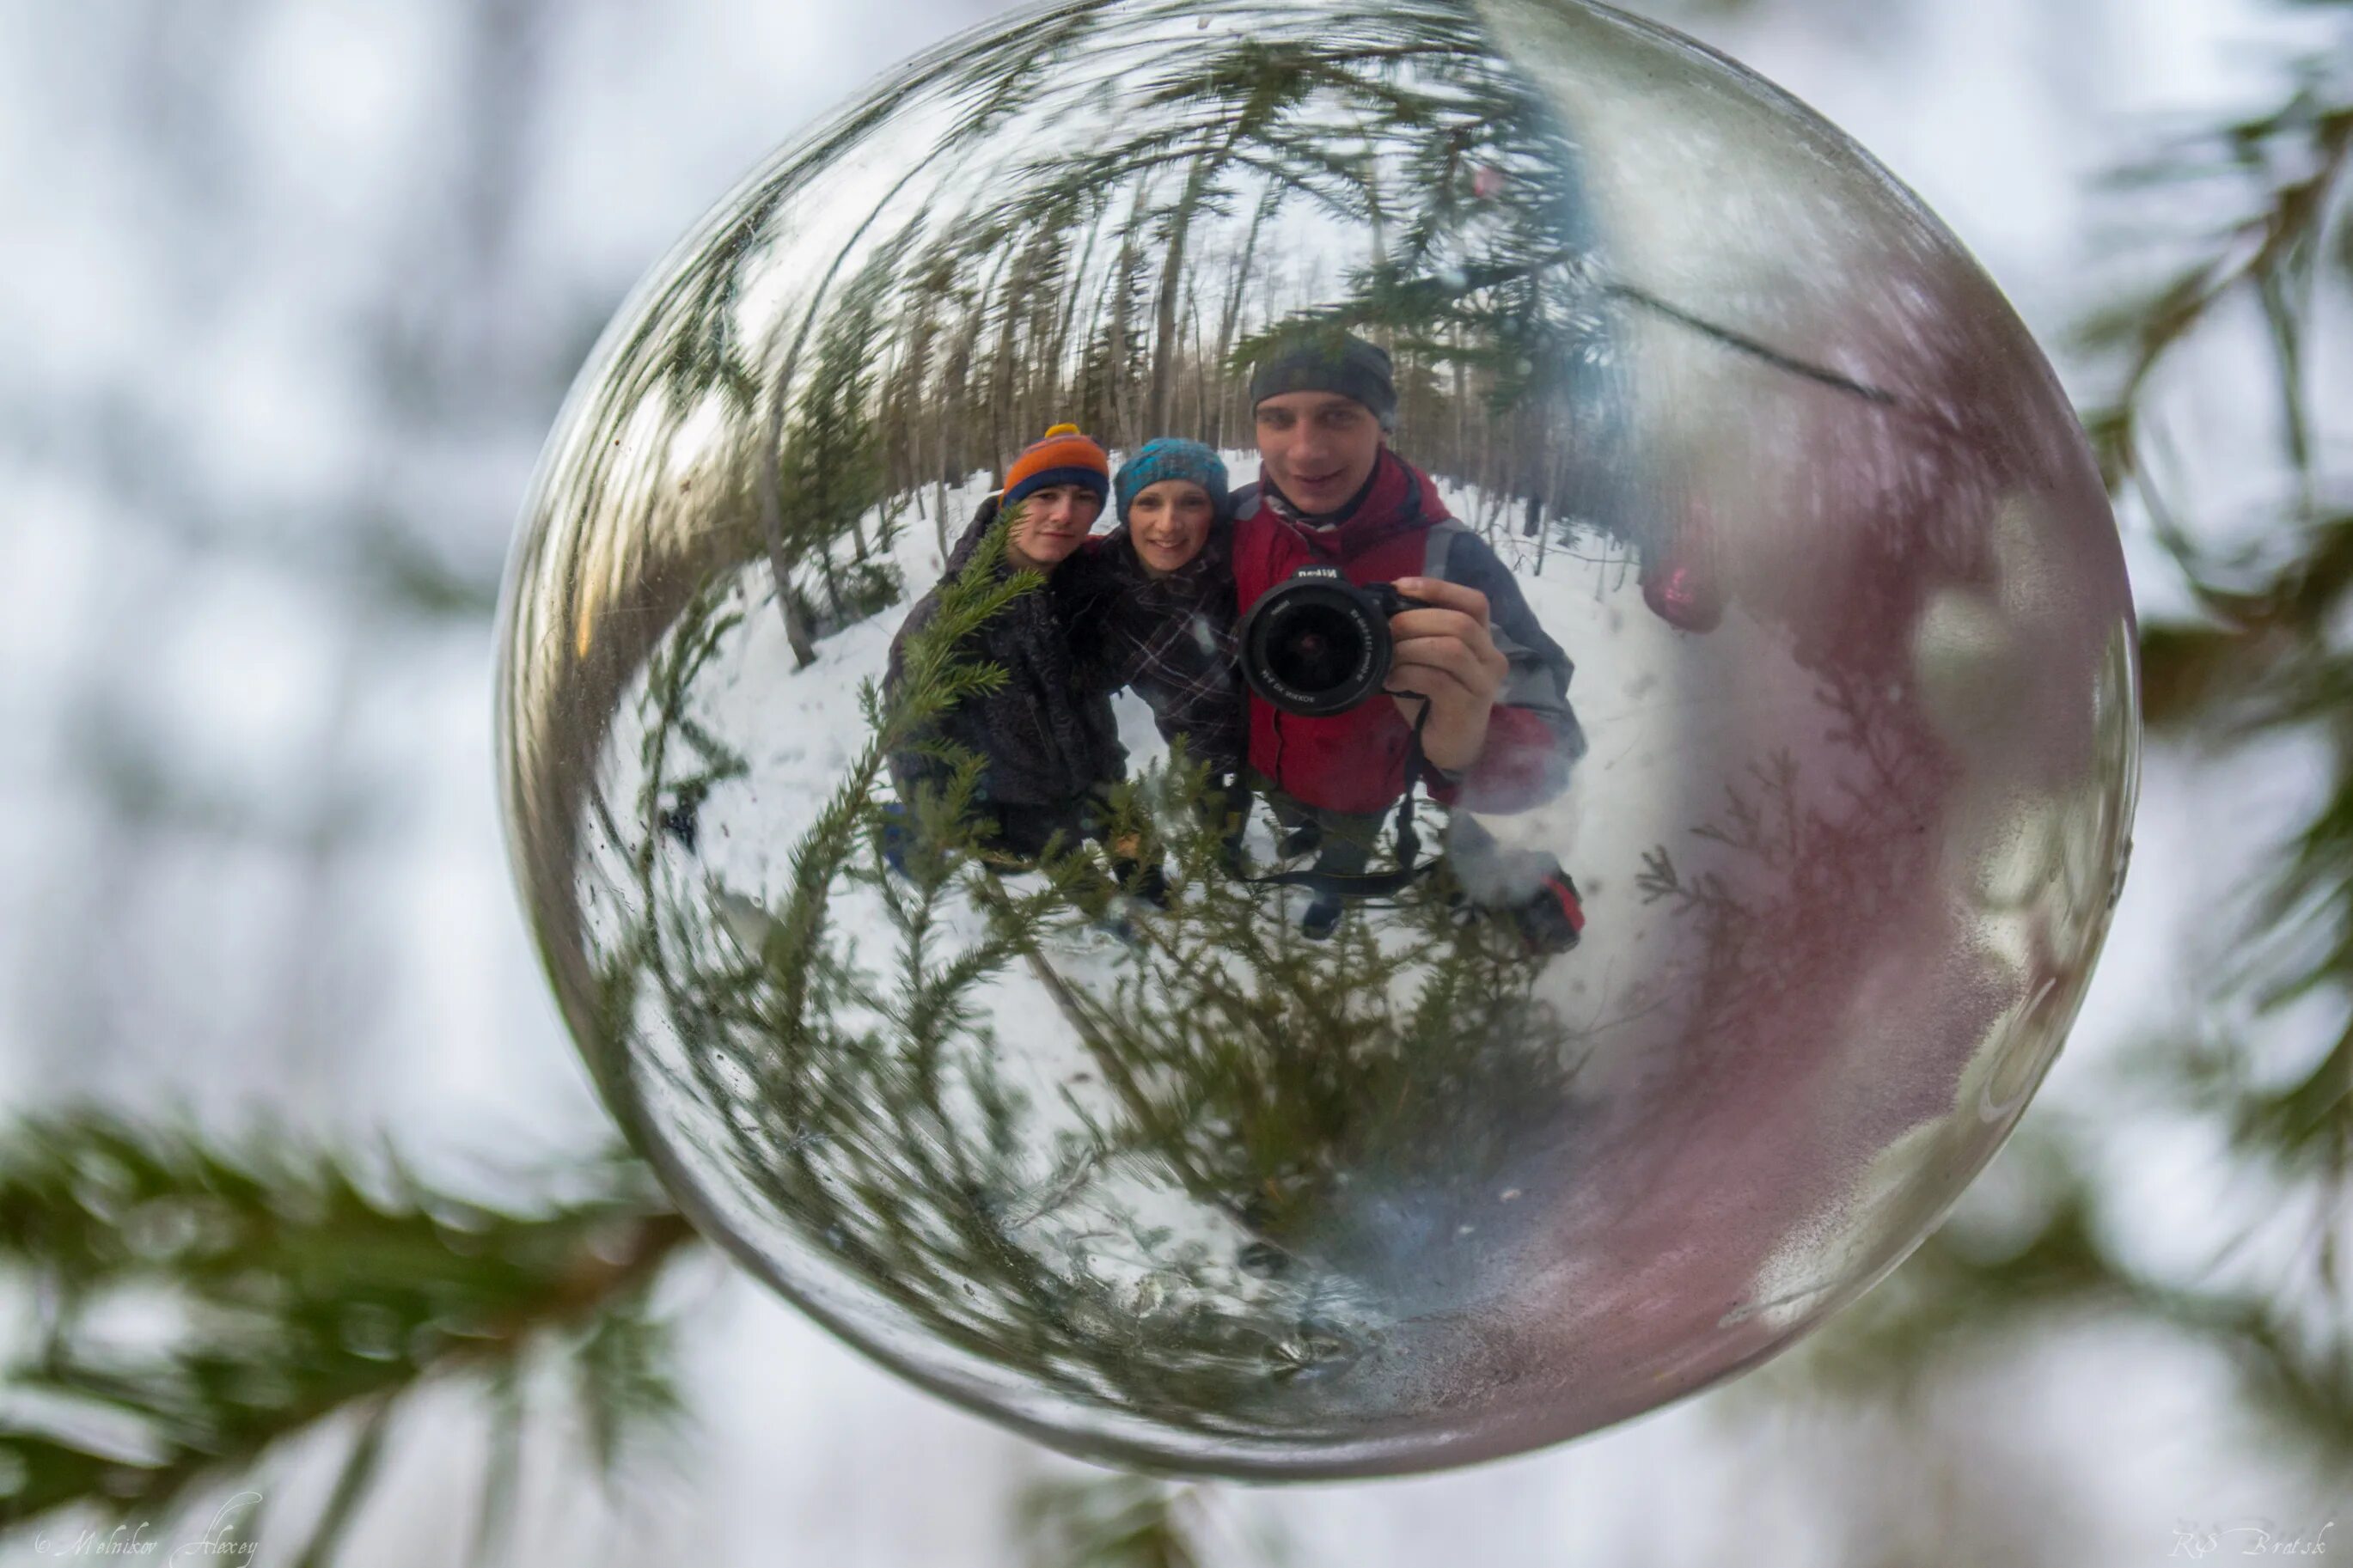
<point>1171,459</point>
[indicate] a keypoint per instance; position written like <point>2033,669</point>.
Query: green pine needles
<point>1173,1190</point>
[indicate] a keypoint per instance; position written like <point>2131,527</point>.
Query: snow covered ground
<point>1673,720</point>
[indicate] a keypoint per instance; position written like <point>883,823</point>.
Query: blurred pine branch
<point>2265,661</point>
<point>201,1305</point>
<point>1978,1289</point>
<point>1114,1521</point>
<point>2270,659</point>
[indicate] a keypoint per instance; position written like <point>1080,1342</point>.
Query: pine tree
<point>866,1105</point>
<point>834,458</point>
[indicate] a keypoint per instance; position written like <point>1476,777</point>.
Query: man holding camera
<point>1471,667</point>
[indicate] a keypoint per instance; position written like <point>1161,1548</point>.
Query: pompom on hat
<point>1172,458</point>
<point>1063,457</point>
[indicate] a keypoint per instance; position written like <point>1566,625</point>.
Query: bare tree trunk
<point>1462,408</point>
<point>1093,397</point>
<point>1267,208</point>
<point>956,374</point>
<point>1172,273</point>
<point>1486,469</point>
<point>1031,317</point>
<point>1200,378</point>
<point>903,397</point>
<point>797,633</point>
<point>831,577</point>
<point>975,379</point>
<point>939,478</point>
<point>1552,520</point>
<point>1001,412</point>
<point>1065,377</point>
<point>1116,379</point>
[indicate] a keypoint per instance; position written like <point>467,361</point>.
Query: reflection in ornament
<point>1505,1106</point>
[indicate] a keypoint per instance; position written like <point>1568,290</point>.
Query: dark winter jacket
<point>1356,762</point>
<point>1170,639</point>
<point>1045,741</point>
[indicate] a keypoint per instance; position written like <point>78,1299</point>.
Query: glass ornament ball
<point>987,962</point>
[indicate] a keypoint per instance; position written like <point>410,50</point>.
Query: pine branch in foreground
<point>279,1286</point>
<point>2267,659</point>
<point>2264,659</point>
<point>1110,1522</point>
<point>1977,1289</point>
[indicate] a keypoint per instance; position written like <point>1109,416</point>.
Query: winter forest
<point>324,1246</point>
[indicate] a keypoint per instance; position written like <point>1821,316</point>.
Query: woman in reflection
<point>1049,748</point>
<point>1150,606</point>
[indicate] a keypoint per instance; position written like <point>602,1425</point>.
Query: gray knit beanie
<point>1331,362</point>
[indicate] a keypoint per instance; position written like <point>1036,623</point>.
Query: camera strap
<point>1409,864</point>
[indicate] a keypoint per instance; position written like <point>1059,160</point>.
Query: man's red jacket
<point>1356,762</point>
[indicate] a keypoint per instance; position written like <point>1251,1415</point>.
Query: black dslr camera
<point>1316,643</point>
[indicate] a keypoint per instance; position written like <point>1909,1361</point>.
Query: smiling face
<point>1054,522</point>
<point>1168,523</point>
<point>1319,447</point>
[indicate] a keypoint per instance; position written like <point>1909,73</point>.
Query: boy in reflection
<point>1051,749</point>
<point>1150,606</point>
<point>1489,687</point>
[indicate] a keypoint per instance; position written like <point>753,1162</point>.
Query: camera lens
<point>1317,650</point>
<point>1315,645</point>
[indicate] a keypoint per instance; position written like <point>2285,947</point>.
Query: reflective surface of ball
<point>997,973</point>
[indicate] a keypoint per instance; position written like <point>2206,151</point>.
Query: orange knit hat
<point>1063,457</point>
